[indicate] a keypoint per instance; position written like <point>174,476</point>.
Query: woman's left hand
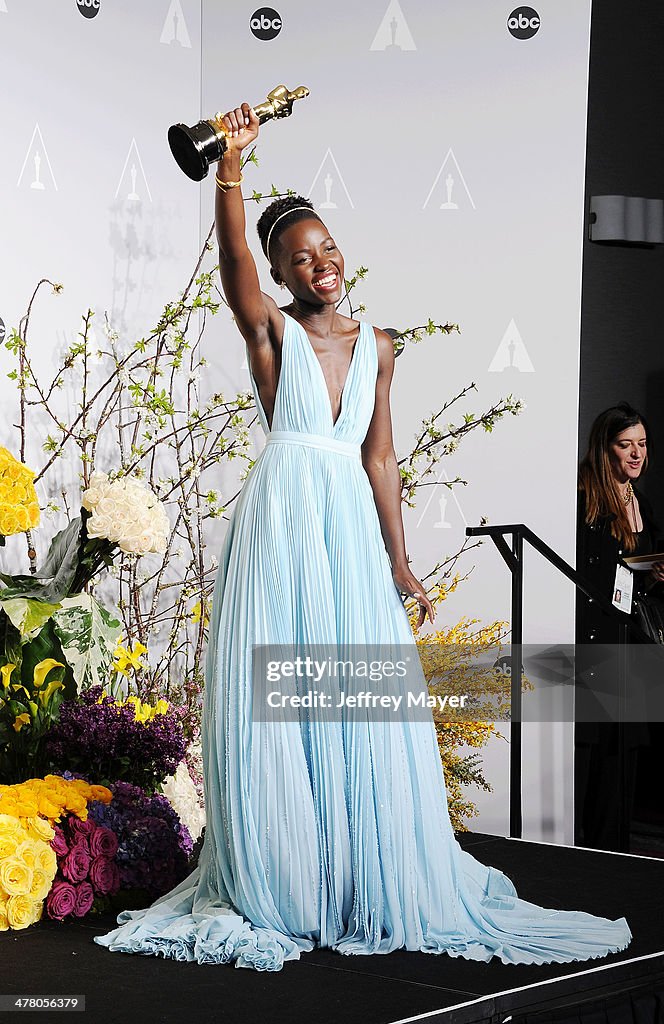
<point>406,583</point>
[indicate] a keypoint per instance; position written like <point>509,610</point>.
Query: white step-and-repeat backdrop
<point>444,144</point>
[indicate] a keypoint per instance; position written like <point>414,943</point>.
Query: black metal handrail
<point>513,557</point>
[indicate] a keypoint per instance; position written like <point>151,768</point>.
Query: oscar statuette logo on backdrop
<point>511,356</point>
<point>393,32</point>
<point>175,27</point>
<point>328,190</point>
<point>39,174</point>
<point>453,191</point>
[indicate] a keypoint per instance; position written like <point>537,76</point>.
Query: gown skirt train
<point>336,833</point>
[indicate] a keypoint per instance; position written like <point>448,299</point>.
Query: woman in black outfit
<point>615,520</point>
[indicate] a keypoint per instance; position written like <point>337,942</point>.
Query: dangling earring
<point>282,285</point>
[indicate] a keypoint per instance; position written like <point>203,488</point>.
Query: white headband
<point>285,214</point>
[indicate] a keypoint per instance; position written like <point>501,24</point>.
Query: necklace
<point>629,493</point>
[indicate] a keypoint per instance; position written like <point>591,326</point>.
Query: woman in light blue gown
<point>321,832</point>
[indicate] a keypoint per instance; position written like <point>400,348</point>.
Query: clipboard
<point>642,563</point>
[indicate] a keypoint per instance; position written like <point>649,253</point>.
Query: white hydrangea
<point>181,793</point>
<point>127,513</point>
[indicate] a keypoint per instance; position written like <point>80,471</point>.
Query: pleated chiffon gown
<point>328,833</point>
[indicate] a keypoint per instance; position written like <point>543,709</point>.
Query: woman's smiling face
<point>309,263</point>
<point>627,453</point>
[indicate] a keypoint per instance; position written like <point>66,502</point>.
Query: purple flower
<point>61,900</point>
<point>153,844</point>
<point>105,876</point>
<point>85,897</point>
<point>76,864</point>
<point>106,743</point>
<point>103,841</point>
<point>59,843</point>
<point>81,828</point>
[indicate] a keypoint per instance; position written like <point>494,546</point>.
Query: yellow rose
<point>4,923</point>
<point>47,860</point>
<point>39,828</point>
<point>15,877</point>
<point>22,517</point>
<point>8,806</point>
<point>41,884</point>
<point>7,846</point>
<point>13,470</point>
<point>27,852</point>
<point>33,514</point>
<point>21,911</point>
<point>5,491</point>
<point>9,825</point>
<point>8,520</point>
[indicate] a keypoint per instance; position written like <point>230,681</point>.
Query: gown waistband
<point>332,444</point>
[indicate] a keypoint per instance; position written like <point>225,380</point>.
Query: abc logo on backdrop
<point>265,23</point>
<point>88,8</point>
<point>523,22</point>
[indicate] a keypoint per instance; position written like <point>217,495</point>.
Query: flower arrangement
<point>49,614</point>
<point>126,512</point>
<point>154,845</point>
<point>75,845</point>
<point>19,506</point>
<point>111,740</point>
<point>29,843</point>
<point>86,867</point>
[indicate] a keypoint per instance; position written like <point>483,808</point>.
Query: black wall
<point>622,309</point>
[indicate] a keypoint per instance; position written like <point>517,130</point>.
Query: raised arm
<point>254,312</point>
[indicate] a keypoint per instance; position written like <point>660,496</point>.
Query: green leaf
<point>88,634</point>
<point>28,616</point>
<point>52,581</point>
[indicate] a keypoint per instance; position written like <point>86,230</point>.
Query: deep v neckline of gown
<point>349,371</point>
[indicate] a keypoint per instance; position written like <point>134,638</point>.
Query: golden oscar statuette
<point>202,144</point>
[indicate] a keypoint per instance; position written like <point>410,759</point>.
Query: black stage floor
<point>53,958</point>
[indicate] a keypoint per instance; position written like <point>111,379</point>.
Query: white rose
<point>95,491</point>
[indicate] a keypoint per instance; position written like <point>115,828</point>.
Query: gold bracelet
<point>226,185</point>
